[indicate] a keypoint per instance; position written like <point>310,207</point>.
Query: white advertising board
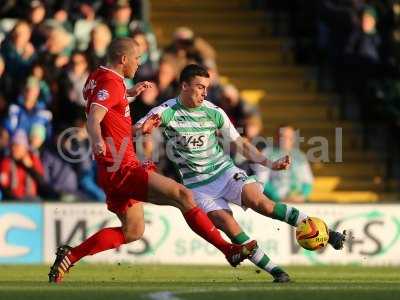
<point>374,235</point>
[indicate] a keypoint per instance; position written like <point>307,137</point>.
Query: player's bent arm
<point>244,147</point>
<point>252,153</point>
<point>96,115</point>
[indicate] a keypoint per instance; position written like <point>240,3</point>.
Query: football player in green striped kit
<point>190,125</point>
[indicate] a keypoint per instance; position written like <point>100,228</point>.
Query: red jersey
<point>106,88</point>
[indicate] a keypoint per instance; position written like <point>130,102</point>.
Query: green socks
<point>260,259</point>
<point>288,214</point>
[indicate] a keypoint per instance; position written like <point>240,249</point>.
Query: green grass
<point>126,281</point>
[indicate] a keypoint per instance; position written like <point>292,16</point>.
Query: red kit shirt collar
<point>112,71</point>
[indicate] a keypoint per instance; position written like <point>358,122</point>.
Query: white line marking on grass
<point>167,295</point>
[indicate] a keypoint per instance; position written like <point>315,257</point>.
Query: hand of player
<point>99,147</point>
<point>281,164</point>
<point>152,122</point>
<point>139,88</point>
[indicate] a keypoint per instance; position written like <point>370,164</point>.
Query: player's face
<point>196,90</point>
<point>131,63</point>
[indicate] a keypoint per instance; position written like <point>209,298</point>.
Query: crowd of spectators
<point>47,51</point>
<point>355,47</point>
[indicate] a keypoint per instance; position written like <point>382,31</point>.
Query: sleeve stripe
<point>99,105</point>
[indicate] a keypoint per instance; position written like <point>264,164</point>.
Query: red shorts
<point>125,187</point>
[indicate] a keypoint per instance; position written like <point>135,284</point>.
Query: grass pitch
<point>154,282</point>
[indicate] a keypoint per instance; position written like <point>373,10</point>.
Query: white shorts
<point>226,188</point>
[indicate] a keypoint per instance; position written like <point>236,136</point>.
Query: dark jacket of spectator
<point>58,173</point>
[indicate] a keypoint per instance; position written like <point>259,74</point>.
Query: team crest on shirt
<point>102,95</point>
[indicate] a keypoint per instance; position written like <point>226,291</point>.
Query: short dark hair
<point>191,71</point>
<point>120,47</point>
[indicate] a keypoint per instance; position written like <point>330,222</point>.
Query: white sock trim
<point>270,265</point>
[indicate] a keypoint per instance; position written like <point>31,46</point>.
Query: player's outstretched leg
<point>261,260</point>
<point>165,191</point>
<point>253,198</point>
<point>225,221</point>
<point>107,238</point>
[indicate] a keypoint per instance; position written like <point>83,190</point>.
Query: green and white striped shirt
<point>192,142</point>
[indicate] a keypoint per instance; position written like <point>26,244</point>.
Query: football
<point>312,234</point>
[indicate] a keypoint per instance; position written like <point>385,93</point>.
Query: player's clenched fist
<point>281,164</point>
<point>99,147</point>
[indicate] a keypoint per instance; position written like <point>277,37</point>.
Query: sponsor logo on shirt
<point>90,85</point>
<point>192,141</point>
<point>102,95</point>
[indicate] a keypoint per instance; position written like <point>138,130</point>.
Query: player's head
<point>124,52</point>
<point>194,81</point>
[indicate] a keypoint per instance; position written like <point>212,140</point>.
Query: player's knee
<point>185,197</point>
<point>253,202</point>
<point>133,234</point>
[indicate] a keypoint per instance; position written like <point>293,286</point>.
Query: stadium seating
<point>262,67</point>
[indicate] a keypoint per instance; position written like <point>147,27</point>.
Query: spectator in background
<point>56,51</point>
<point>124,22</point>
<point>21,171</point>
<point>77,75</point>
<point>234,106</point>
<point>364,64</point>
<point>5,84</point>
<point>144,103</point>
<point>294,184</point>
<point>363,47</point>
<point>37,136</point>
<point>147,68</point>
<point>186,48</point>
<point>61,18</point>
<point>167,81</point>
<point>71,83</point>
<point>338,20</point>
<point>18,54</point>
<point>60,179</point>
<point>99,41</point>
<point>36,18</point>
<point>121,19</point>
<point>79,152</point>
<point>84,26</point>
<point>252,131</point>
<point>27,114</point>
<point>214,91</point>
<point>4,142</point>
<point>45,96</point>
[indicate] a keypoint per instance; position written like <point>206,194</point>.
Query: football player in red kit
<point>126,181</point>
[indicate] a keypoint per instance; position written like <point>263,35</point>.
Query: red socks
<point>110,238</point>
<point>105,239</point>
<point>202,225</point>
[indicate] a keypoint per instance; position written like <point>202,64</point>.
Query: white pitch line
<point>165,295</point>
